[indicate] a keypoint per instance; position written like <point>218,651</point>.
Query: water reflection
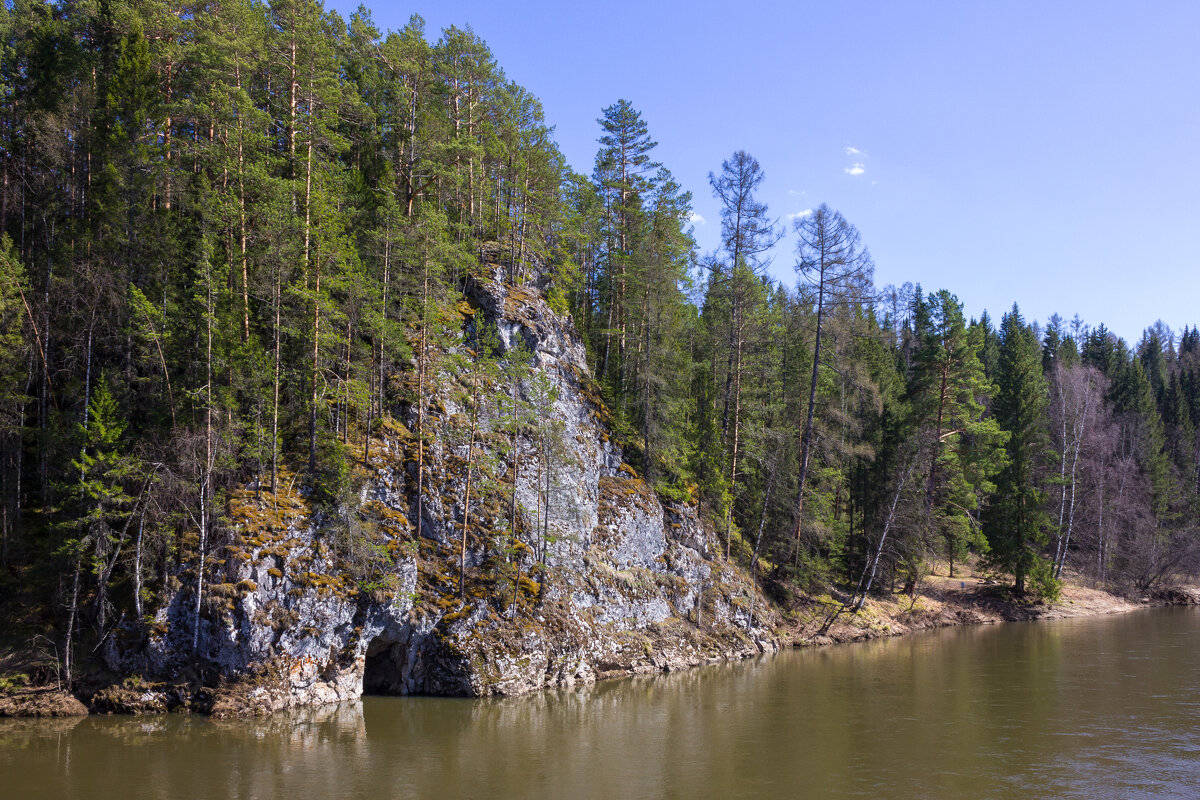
<point>1076,708</point>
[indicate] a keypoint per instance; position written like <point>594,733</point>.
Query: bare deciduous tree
<point>1076,397</point>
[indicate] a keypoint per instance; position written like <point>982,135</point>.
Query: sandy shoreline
<point>966,599</point>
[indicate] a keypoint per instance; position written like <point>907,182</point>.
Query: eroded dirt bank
<point>965,599</point>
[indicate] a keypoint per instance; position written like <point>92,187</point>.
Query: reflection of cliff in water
<point>1102,707</point>
<point>20,732</point>
<point>337,724</point>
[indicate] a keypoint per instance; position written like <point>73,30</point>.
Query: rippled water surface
<point>1096,708</point>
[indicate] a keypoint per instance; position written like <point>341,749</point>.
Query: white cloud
<point>696,219</point>
<point>793,191</point>
<point>857,169</point>
<point>854,151</point>
<point>799,215</point>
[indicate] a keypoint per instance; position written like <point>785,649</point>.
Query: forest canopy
<point>236,243</point>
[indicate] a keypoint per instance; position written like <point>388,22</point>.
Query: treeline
<point>237,239</point>
<point>837,431</point>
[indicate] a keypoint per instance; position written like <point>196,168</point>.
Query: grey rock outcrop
<point>607,581</point>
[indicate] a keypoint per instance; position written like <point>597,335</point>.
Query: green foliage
<point>14,345</point>
<point>362,553</point>
<point>1045,586</point>
<point>964,448</point>
<point>12,682</point>
<point>1015,522</point>
<point>241,242</point>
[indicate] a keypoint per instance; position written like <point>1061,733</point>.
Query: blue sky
<point>1043,153</point>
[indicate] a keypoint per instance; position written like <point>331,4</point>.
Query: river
<point>1103,707</point>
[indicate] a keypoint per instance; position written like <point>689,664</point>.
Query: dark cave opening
<point>383,671</point>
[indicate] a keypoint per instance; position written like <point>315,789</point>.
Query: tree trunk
<point>315,368</point>
<point>515,455</point>
<point>648,457</point>
<point>462,552</point>
<point>549,472</point>
<point>887,526</point>
<point>762,524</point>
<point>276,301</point>
<point>421,358</point>
<point>806,437</point>
<point>137,567</point>
<point>733,458</point>
<point>206,480</point>
<point>72,615</point>
<point>241,167</point>
<point>1078,432</point>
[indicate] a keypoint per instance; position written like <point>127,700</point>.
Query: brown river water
<point>1103,707</point>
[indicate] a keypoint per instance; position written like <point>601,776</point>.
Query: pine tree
<point>621,175</point>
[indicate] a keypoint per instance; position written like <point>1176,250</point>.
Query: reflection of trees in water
<point>305,753</point>
<point>19,733</point>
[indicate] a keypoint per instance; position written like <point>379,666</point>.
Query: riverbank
<point>41,701</point>
<point>807,621</point>
<point>942,601</point>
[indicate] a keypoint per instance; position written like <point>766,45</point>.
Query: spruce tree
<point>15,353</point>
<point>962,448</point>
<point>1015,523</point>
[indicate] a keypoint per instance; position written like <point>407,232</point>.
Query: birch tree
<point>1076,398</point>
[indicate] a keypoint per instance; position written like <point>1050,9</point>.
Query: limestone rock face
<point>611,581</point>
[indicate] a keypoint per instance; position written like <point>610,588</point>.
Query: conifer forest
<point>238,239</point>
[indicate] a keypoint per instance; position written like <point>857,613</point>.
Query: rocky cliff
<point>601,578</point>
